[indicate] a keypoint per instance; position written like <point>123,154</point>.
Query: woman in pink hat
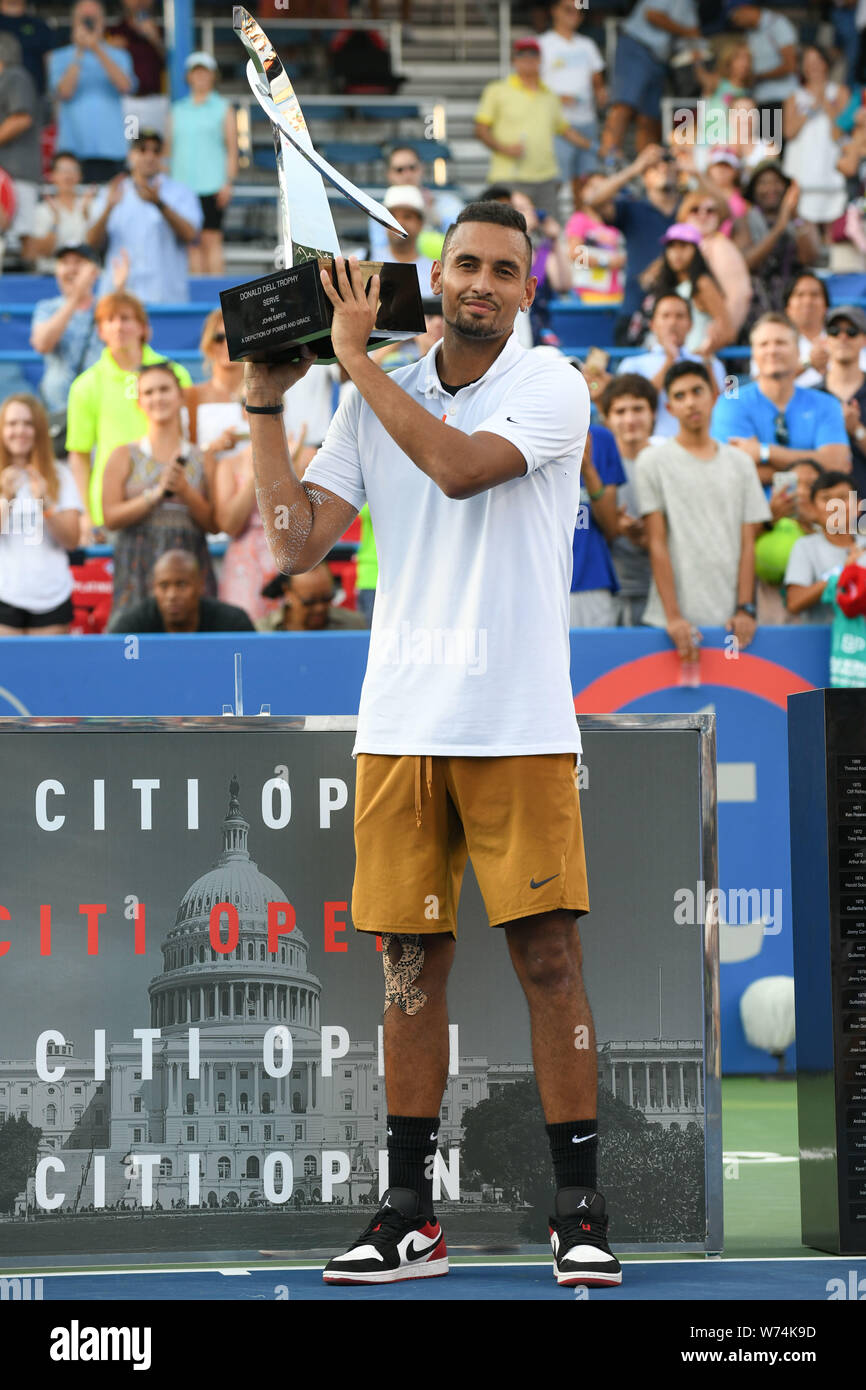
<point>685,272</point>
<point>725,261</point>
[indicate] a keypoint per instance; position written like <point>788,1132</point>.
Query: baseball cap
<point>88,253</point>
<point>851,312</point>
<point>404,195</point>
<point>200,59</point>
<point>725,156</point>
<point>683,231</point>
<point>526,46</point>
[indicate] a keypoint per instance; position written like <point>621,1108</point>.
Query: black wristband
<point>264,409</point>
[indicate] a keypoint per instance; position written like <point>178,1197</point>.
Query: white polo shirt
<point>469,649</point>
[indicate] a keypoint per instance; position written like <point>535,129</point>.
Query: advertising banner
<point>190,1028</point>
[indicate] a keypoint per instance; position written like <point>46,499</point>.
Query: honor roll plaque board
<point>190,1030</point>
<point>827,760</point>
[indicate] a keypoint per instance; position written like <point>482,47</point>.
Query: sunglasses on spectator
<point>705,209</point>
<point>404,168</point>
<point>218,338</point>
<point>314,599</point>
<point>780,429</point>
<point>847,329</point>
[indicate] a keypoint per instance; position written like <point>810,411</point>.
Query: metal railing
<point>393,27</point>
<point>432,110</point>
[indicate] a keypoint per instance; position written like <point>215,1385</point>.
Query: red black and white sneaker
<point>399,1243</point>
<point>578,1236</point>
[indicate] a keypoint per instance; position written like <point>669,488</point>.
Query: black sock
<point>574,1150</point>
<point>412,1144</point>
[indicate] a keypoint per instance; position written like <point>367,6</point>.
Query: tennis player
<point>467,744</point>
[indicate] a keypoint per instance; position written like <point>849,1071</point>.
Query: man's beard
<point>475,328</point>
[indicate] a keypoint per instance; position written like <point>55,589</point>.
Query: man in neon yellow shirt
<point>103,409</point>
<point>517,119</point>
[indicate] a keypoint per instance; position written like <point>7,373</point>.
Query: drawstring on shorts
<point>429,776</point>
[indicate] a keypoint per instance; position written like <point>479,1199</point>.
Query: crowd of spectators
<point>727,451</point>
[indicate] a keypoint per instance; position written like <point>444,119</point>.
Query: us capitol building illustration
<point>234,1114</point>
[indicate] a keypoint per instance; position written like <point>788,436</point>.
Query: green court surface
<point>761,1183</point>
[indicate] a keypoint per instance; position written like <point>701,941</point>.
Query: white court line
<point>460,1262</point>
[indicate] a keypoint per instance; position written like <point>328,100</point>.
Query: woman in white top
<point>217,422</point>
<point>62,218</point>
<point>218,425</point>
<point>807,304</point>
<point>39,522</point>
<point>811,151</point>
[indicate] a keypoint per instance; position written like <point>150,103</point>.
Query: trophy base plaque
<point>269,319</point>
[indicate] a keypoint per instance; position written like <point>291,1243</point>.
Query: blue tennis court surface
<point>745,1280</point>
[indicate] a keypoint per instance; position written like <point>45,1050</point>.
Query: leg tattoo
<point>400,975</point>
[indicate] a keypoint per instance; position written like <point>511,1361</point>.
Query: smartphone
<point>183,462</point>
<point>785,484</point>
<point>596,360</point>
<point>88,23</point>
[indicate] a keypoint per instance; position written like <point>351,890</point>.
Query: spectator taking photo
<point>88,79</point>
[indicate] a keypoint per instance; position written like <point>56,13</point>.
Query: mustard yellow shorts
<point>418,820</point>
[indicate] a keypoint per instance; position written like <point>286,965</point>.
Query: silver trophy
<point>268,319</point>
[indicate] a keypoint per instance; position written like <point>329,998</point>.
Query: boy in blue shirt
<point>593,580</point>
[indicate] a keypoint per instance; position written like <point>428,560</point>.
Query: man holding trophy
<point>470,461</point>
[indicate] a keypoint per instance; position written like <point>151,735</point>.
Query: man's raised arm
<point>302,521</point>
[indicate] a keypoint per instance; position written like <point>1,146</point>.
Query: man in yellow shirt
<point>103,409</point>
<point>517,119</point>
